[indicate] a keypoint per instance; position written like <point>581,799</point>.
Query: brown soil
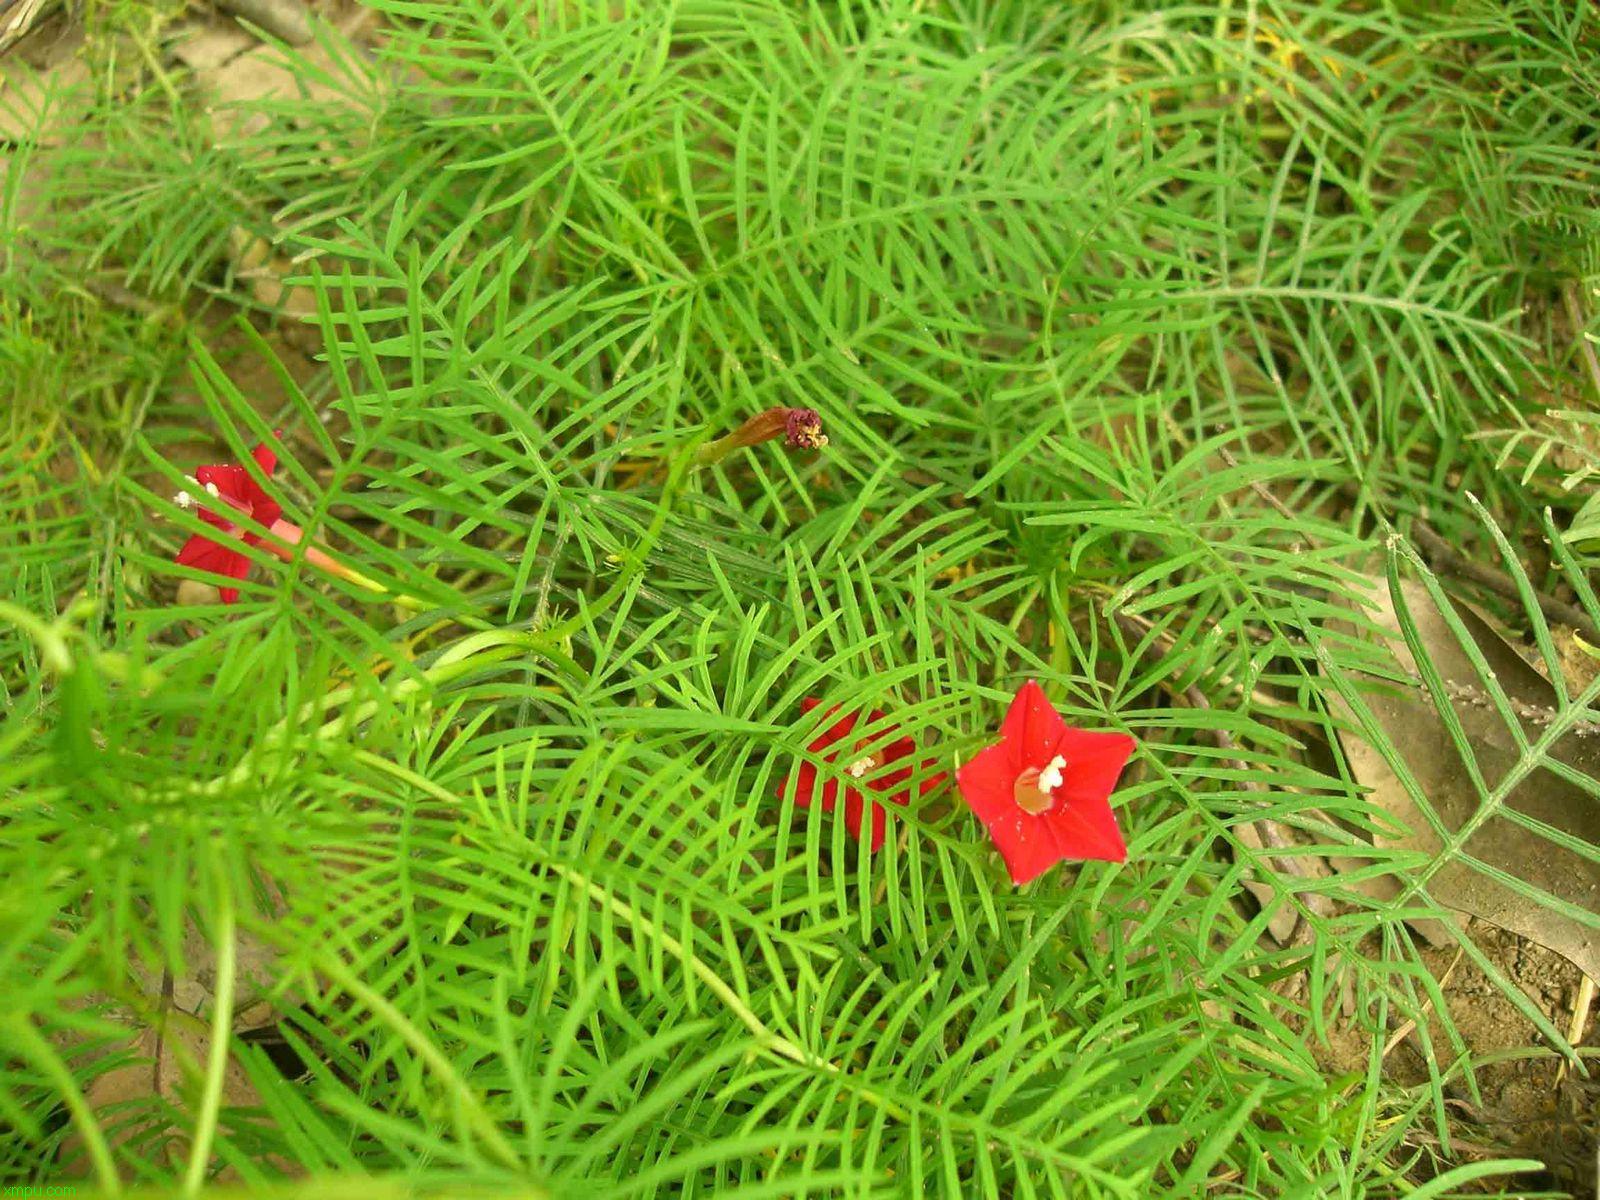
<point>1524,1103</point>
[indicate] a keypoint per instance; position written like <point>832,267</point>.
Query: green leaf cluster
<point>1132,326</point>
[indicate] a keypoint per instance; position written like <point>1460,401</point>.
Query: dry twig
<point>1444,559</point>
<point>1579,1024</point>
<point>16,18</point>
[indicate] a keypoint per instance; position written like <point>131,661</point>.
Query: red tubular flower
<point>1042,790</point>
<point>859,764</point>
<point>239,493</point>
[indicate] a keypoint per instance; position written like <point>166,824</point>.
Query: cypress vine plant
<point>569,801</point>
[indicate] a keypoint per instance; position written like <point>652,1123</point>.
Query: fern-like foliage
<point>1131,327</point>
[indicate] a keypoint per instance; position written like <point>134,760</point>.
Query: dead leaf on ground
<point>242,83</point>
<point>1503,845</point>
<point>285,19</point>
<point>1283,916</point>
<point>255,974</point>
<point>169,1041</point>
<point>134,1101</point>
<point>1578,665</point>
<point>189,995</point>
<point>212,45</point>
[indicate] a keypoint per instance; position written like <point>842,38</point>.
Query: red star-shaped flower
<point>1041,790</point>
<point>858,763</point>
<point>238,491</point>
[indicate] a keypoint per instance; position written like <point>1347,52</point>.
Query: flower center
<point>861,766</point>
<point>1033,788</point>
<point>185,500</point>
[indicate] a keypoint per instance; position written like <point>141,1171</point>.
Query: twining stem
<point>205,1127</point>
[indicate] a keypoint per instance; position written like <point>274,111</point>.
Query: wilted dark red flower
<point>800,428</point>
<point>233,491</point>
<point>835,745</point>
<point>1042,790</point>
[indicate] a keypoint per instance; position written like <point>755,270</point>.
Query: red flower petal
<point>1094,760</point>
<point>1027,844</point>
<point>1032,725</point>
<point>805,785</point>
<point>895,780</point>
<point>230,481</point>
<point>806,793</point>
<point>239,488</point>
<point>857,806</point>
<point>1086,829</point>
<point>238,568</point>
<point>220,521</point>
<point>891,782</point>
<point>831,733</point>
<point>240,494</point>
<point>901,747</point>
<point>265,458</point>
<point>854,805</point>
<point>201,553</point>
<point>267,511</point>
<point>987,779</point>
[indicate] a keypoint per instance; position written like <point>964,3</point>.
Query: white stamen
<point>1050,777</point>
<point>860,767</point>
<point>183,500</point>
<point>214,490</point>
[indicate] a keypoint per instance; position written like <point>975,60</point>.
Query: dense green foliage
<point>1133,329</point>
